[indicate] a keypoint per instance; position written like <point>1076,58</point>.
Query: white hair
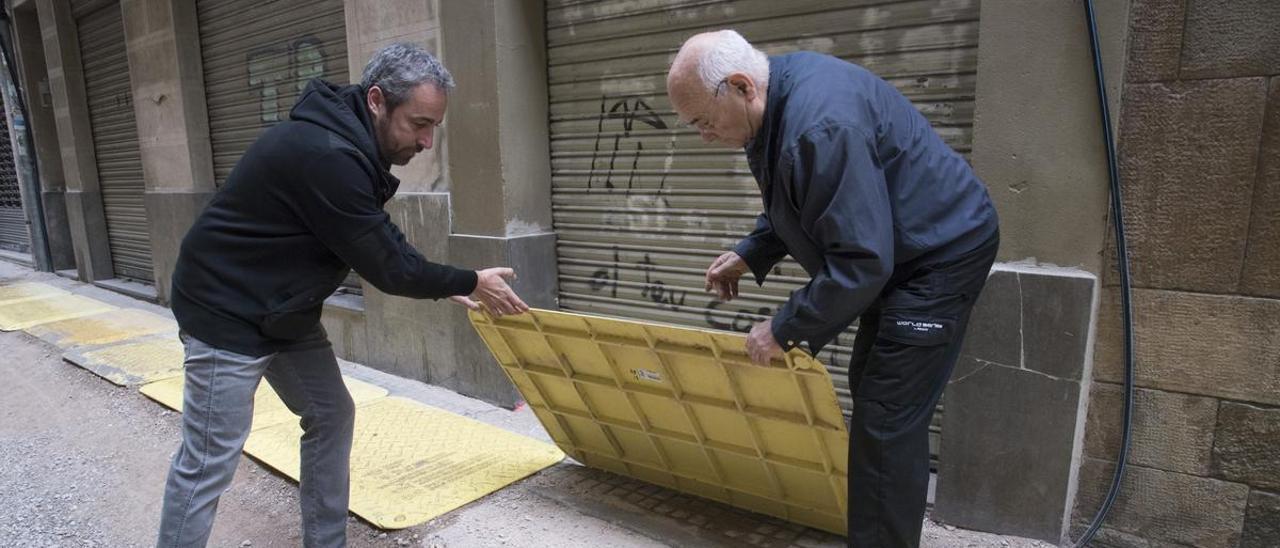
<point>728,52</point>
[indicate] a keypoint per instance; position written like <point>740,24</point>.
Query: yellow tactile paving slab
<point>25,313</point>
<point>411,462</point>
<point>105,328</point>
<point>268,408</point>
<point>683,408</point>
<point>26,291</point>
<point>134,362</point>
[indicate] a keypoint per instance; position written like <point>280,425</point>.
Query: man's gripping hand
<point>723,275</point>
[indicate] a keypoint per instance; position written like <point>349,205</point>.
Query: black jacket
<point>855,181</point>
<point>301,208</point>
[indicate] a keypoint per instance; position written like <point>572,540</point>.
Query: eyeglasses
<point>705,122</point>
<point>716,94</point>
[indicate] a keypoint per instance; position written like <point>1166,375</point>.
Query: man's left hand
<point>761,346</point>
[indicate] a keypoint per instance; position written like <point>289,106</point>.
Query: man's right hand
<point>493,292</point>
<point>723,274</point>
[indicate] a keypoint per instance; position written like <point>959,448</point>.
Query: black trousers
<point>907,345</point>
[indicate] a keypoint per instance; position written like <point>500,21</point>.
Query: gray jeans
<point>218,411</point>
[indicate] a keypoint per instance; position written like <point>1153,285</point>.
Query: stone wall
<point>1200,163</point>
<point>1012,432</point>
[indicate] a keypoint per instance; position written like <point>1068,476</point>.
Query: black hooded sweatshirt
<point>301,208</point>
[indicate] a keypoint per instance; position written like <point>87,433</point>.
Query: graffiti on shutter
<point>273,70</point>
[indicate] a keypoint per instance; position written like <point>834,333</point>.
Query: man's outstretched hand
<point>493,294</point>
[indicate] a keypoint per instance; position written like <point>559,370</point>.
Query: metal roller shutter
<point>14,235</point>
<point>100,28</point>
<point>641,207</point>
<point>258,56</point>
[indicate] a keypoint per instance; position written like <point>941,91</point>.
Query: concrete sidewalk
<point>83,464</point>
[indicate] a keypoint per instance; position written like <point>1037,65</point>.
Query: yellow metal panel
<point>411,462</point>
<point>26,291</point>
<point>131,363</point>
<point>104,328</point>
<point>684,408</point>
<point>166,392</point>
<point>26,313</point>
<point>268,408</point>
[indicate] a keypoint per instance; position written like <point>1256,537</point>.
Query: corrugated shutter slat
<point>104,59</point>
<point>14,235</point>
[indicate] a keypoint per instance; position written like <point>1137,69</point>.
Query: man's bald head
<point>711,66</point>
<point>707,58</point>
<point>684,67</point>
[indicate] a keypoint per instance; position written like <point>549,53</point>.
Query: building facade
<point>561,157</point>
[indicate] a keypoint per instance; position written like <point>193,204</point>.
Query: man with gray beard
<point>300,210</point>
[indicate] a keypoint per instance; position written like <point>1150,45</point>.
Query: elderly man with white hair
<point>891,224</point>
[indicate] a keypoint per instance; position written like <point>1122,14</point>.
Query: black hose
<point>1122,259</point>
<point>43,256</point>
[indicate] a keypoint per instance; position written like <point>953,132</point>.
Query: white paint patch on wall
<point>521,227</point>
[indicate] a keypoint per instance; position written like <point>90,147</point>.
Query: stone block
<point>1262,521</point>
<point>1037,72</point>
<point>1215,345</point>
<point>1230,38</point>
<point>1155,40</point>
<point>995,325</point>
<point>1057,310</point>
<point>1188,155</point>
<point>88,227</point>
<point>380,18</point>
<point>1171,431</point>
<point>501,180</point>
<point>56,223</point>
<point>1247,446</point>
<point>405,335</point>
<point>1007,452</point>
<point>1262,258</point>
<point>168,96</point>
<point>475,372</point>
<point>1166,506</point>
<point>344,320</point>
<point>149,27</point>
<point>34,75</point>
<point>169,217</point>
